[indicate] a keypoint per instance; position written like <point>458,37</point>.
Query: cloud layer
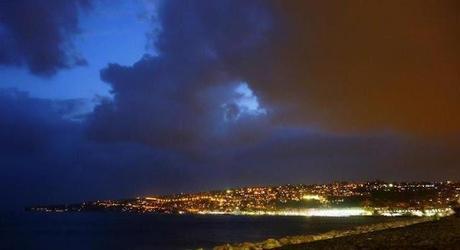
<point>39,34</point>
<point>354,67</point>
<point>184,98</point>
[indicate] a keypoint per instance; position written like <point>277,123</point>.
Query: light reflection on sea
<point>113,231</point>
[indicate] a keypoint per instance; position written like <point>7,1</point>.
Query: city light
<point>331,200</point>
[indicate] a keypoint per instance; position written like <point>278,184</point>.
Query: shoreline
<point>303,239</point>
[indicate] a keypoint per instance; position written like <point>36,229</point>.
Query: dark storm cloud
<point>45,158</point>
<point>31,131</point>
<point>298,156</point>
<point>312,65</point>
<point>27,123</point>
<point>179,99</point>
<point>360,66</point>
<point>39,34</point>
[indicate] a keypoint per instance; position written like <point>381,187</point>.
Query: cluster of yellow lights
<point>335,212</point>
<point>415,212</point>
<point>315,197</point>
<point>332,212</point>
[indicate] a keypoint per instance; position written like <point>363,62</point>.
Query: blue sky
<point>115,32</point>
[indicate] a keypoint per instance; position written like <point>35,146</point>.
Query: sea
<point>126,231</point>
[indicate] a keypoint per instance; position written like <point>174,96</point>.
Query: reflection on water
<point>147,231</point>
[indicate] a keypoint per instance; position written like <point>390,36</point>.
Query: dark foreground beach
<point>408,233</point>
<point>440,234</point>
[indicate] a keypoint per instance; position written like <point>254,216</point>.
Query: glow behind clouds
<point>248,101</point>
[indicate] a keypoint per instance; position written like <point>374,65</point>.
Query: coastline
<point>288,241</point>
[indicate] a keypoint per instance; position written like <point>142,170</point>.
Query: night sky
<point>113,99</point>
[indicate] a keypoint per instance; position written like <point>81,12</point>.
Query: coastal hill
<point>333,199</point>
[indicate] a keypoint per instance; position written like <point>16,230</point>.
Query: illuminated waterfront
<point>326,200</point>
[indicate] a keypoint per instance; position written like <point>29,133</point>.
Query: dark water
<point>139,231</point>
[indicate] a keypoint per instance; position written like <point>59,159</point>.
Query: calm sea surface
<point>145,231</point>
